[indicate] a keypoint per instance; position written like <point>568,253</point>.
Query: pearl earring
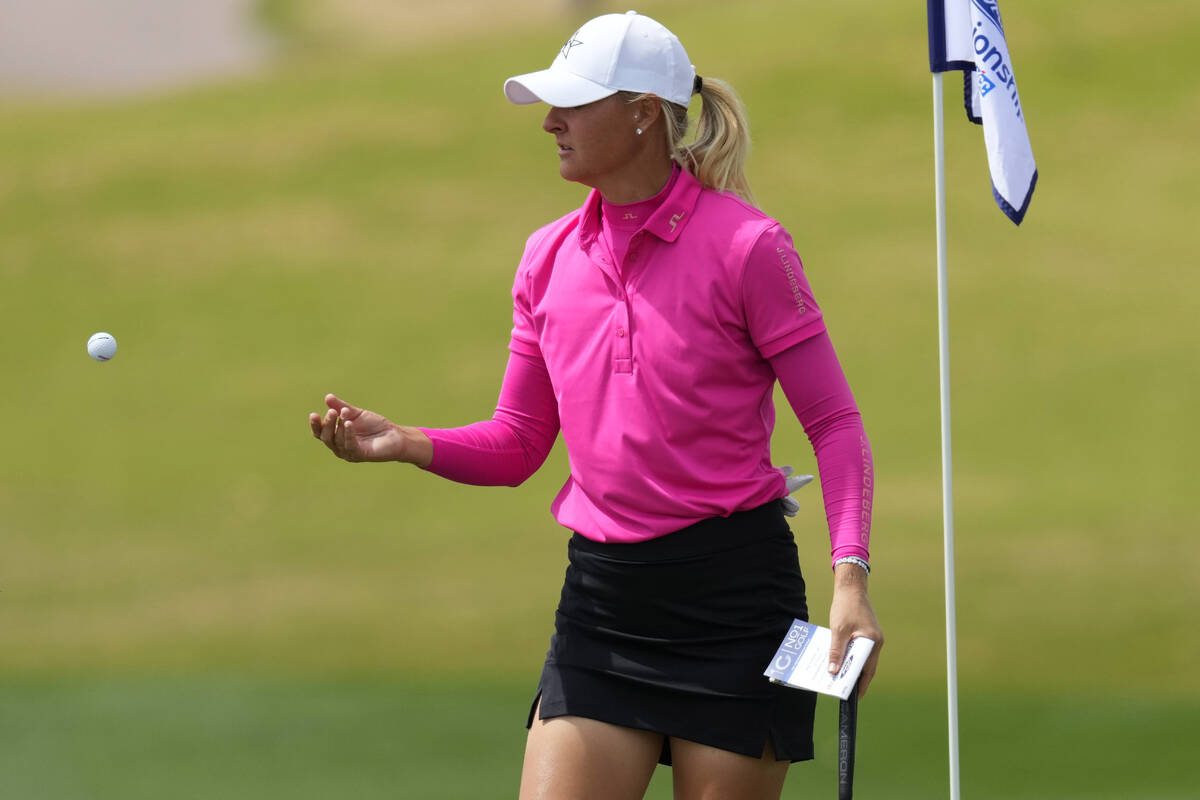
<point>639,131</point>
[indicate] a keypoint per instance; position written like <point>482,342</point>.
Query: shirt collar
<point>667,222</point>
<point>676,210</point>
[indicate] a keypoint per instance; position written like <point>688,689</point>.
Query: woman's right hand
<point>356,434</point>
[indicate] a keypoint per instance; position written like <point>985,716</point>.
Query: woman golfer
<point>650,326</point>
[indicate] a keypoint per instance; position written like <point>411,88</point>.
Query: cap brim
<point>556,87</point>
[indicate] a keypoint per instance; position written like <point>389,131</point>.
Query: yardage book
<point>802,661</point>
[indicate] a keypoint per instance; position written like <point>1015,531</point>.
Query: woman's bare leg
<point>573,758</point>
<point>706,773</point>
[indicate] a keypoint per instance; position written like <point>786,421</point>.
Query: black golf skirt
<point>672,635</point>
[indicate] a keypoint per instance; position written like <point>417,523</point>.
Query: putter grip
<point>847,734</point>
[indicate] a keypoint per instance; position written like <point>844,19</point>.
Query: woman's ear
<point>646,111</point>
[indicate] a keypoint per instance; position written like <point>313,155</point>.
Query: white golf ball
<point>102,346</point>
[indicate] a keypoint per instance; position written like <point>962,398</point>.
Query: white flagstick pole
<point>939,146</point>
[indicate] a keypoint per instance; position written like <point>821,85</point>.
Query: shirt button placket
<point>623,361</point>
<point>623,349</point>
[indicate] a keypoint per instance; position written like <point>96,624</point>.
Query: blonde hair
<point>717,152</point>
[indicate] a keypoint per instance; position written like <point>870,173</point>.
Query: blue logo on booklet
<point>789,652</point>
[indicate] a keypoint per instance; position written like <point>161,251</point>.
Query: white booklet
<point>802,661</point>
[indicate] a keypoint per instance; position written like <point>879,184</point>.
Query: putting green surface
<point>350,222</point>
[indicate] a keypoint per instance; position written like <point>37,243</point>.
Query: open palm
<point>356,434</point>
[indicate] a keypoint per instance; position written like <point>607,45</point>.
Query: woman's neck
<point>639,181</point>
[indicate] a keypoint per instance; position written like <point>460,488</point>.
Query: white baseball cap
<point>609,54</point>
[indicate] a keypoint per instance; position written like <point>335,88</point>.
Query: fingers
<point>339,405</point>
<point>868,673</point>
<point>837,648</point>
<point>851,617</point>
<point>333,431</point>
<point>343,439</point>
<point>837,654</point>
<point>329,428</point>
<point>344,442</point>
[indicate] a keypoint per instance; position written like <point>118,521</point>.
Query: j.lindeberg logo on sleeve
<point>786,263</point>
<point>868,491</point>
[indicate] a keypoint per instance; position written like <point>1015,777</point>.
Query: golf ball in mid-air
<point>102,346</point>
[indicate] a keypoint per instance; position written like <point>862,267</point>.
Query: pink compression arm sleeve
<point>816,388</point>
<point>509,447</point>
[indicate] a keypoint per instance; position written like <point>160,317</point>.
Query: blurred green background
<point>196,600</point>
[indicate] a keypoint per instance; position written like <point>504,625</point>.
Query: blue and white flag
<point>967,35</point>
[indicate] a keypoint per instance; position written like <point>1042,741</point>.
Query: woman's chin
<point>569,174</point>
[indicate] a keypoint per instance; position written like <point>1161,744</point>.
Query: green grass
<point>235,738</point>
<point>350,222</point>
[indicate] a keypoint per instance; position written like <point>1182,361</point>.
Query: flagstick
<point>939,147</point>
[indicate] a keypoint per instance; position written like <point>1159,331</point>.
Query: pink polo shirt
<point>659,365</point>
<point>642,499</point>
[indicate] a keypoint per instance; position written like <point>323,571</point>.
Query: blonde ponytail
<point>717,153</point>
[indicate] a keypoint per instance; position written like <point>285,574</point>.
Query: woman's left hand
<point>851,616</point>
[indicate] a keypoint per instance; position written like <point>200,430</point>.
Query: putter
<point>847,734</point>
